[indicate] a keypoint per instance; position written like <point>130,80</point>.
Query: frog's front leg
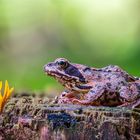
<point>92,97</point>
<point>67,96</point>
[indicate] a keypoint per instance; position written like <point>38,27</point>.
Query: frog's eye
<point>62,64</point>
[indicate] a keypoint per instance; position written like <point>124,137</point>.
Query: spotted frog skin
<point>108,86</point>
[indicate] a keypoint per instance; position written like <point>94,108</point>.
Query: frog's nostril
<point>49,65</point>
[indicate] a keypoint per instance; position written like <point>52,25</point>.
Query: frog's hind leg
<point>130,92</point>
<point>135,104</point>
<point>85,102</point>
<point>130,95</point>
<point>92,97</point>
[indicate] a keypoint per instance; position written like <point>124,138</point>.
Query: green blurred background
<point>92,32</point>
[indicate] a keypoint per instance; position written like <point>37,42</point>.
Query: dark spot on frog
<point>73,71</point>
<point>122,83</point>
<point>109,71</point>
<point>137,78</point>
<point>98,86</point>
<point>86,69</point>
<point>109,78</point>
<point>118,75</point>
<point>92,91</point>
<point>84,87</point>
<point>99,70</point>
<point>106,74</point>
<point>109,85</point>
<point>138,86</point>
<point>63,94</point>
<point>112,66</point>
<point>99,77</point>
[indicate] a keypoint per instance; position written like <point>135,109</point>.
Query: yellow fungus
<point>4,97</point>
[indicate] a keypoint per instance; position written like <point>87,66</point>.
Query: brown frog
<point>108,86</point>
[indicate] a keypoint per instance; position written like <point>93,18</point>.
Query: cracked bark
<point>36,118</point>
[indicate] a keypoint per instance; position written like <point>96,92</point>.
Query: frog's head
<point>68,74</point>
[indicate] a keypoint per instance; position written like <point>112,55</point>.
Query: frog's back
<point>115,70</point>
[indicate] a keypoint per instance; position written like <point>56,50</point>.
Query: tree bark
<point>38,119</point>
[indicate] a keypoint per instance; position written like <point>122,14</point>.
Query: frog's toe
<point>124,105</point>
<point>137,104</point>
<point>64,100</point>
<point>81,102</point>
<point>76,101</point>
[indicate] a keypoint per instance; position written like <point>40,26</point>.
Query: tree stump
<point>35,118</point>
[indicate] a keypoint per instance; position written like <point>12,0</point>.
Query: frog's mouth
<point>59,75</point>
<point>68,80</point>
